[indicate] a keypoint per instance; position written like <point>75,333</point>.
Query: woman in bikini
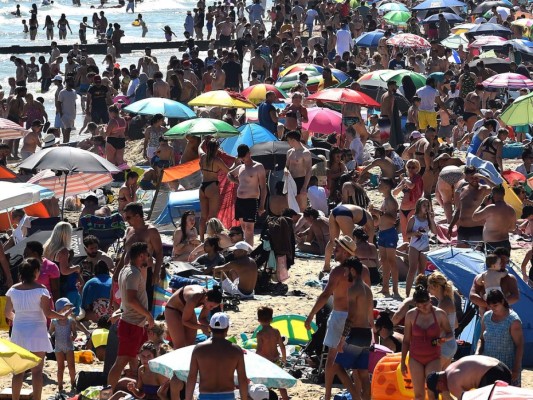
<point>181,318</point>
<point>185,238</point>
<point>62,25</point>
<point>426,329</point>
<point>152,135</point>
<point>367,254</point>
<point>334,171</point>
<point>49,26</point>
<point>128,192</point>
<point>116,137</point>
<point>211,165</point>
<point>343,219</point>
<point>352,191</point>
<point>413,189</point>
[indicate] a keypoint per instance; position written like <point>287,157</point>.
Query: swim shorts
<point>357,349</point>
<point>427,118</point>
<point>335,326</point>
<point>217,396</point>
<point>246,209</point>
<point>384,125</point>
<point>388,238</point>
<point>130,338</point>
<point>499,372</point>
<point>470,233</point>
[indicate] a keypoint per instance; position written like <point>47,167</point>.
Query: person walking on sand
<point>298,166</point>
<point>216,361</point>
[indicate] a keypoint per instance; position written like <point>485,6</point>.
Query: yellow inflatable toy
<point>136,23</point>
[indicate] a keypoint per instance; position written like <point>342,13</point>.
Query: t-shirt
<point>344,41</point>
<point>427,98</point>
<point>318,199</point>
<point>265,120</point>
<point>395,64</point>
<point>233,71</point>
<point>256,12</point>
<point>310,16</point>
<point>67,98</point>
<point>356,146</point>
<point>197,66</point>
<point>98,96</point>
<point>96,288</point>
<point>49,270</point>
<point>130,278</point>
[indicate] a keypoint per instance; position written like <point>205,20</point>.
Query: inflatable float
<point>292,327</point>
<point>136,23</point>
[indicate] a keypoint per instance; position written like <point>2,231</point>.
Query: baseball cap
<point>219,321</point>
<point>346,243</point>
<point>415,135</point>
<point>431,382</point>
<point>90,198</point>
<point>258,392</point>
<point>242,245</point>
<point>62,303</point>
<point>58,78</point>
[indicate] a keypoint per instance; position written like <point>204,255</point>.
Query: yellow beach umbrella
<point>15,359</point>
<point>222,98</point>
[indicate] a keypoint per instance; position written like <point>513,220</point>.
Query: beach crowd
<point>412,112</point>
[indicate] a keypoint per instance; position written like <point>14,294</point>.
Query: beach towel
<point>181,171</point>
<point>228,194</point>
<point>291,190</point>
<point>442,232</point>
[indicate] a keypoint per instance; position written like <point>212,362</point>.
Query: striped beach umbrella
<point>508,80</point>
<point>257,93</point>
<point>409,40</point>
<point>454,41</point>
<point>10,129</point>
<point>302,67</point>
<point>76,183</point>
<point>386,75</point>
<point>344,95</point>
<point>483,41</point>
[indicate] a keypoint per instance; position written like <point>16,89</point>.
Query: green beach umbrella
<point>386,75</point>
<point>397,18</point>
<point>520,112</point>
<point>201,126</point>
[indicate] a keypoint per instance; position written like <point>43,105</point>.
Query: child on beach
<point>168,33</point>
<point>25,27</point>
<point>491,278</point>
<point>268,340</point>
<point>142,25</point>
<point>65,333</point>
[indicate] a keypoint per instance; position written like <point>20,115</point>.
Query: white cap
<point>58,78</point>
<point>258,392</point>
<point>242,245</point>
<point>219,321</point>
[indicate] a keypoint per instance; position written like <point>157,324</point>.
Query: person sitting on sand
<point>315,238</point>
<point>241,274</point>
<point>215,228</point>
<point>212,257</point>
<point>185,238</point>
<point>91,207</point>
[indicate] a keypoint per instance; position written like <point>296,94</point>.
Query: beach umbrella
<point>503,11</point>
<point>410,41</point>
<point>302,67</point>
<point>482,41</point>
<point>437,4</point>
<point>156,105</point>
<point>315,79</point>
<point>376,92</point>
<point>487,5</point>
<point>257,93</point>
<point>450,17</point>
<point>125,100</point>
<point>454,41</point>
<point>273,155</point>
<point>386,7</point>
<point>520,112</point>
<point>370,39</point>
<point>523,22</point>
<point>15,359</point>
<point>498,65</point>
<point>201,126</point>
<point>249,134</point>
<point>222,98</point>
<point>462,28</point>
<point>397,18</point>
<point>258,369</point>
<point>10,130</point>
<point>386,75</point>
<point>508,80</point>
<point>490,29</point>
<point>77,183</point>
<point>344,95</point>
<point>323,120</point>
<point>17,195</point>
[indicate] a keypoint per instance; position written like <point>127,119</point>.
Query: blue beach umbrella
<point>450,17</point>
<point>392,7</point>
<point>370,39</point>
<point>436,4</point>
<point>249,135</point>
<point>156,105</point>
<point>490,29</point>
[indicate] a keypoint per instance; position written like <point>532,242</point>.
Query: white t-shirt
<point>356,146</point>
<point>318,199</point>
<point>344,41</point>
<point>427,98</point>
<point>67,98</point>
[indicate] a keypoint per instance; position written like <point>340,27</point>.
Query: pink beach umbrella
<point>77,183</point>
<point>508,80</point>
<point>10,129</point>
<point>323,120</point>
<point>409,40</point>
<point>487,41</point>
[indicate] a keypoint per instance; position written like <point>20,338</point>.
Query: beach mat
<point>300,254</point>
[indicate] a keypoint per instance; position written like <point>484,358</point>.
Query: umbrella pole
<point>159,179</point>
<point>64,195</point>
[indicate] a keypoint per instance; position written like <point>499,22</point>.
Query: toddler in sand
<point>268,340</point>
<point>492,277</point>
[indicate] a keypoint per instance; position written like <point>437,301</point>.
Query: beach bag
<point>86,379</point>
<point>91,393</point>
<point>282,273</point>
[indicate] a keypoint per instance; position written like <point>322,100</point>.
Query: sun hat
<point>347,244</point>
<point>49,141</point>
<point>62,303</point>
<point>242,245</point>
<point>219,321</point>
<point>415,135</point>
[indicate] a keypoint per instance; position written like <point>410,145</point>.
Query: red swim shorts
<point>130,339</point>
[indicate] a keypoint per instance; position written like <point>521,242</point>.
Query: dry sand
<point>244,321</point>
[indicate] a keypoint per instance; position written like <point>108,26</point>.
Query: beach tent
<point>178,203</point>
<point>462,265</point>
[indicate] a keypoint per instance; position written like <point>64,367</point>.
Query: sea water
<point>156,14</point>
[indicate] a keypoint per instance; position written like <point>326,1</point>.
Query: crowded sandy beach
<point>266,200</point>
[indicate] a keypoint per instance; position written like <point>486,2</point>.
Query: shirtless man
<point>161,88</point>
<point>20,72</point>
<point>295,114</point>
<point>384,163</point>
<point>216,361</point>
<point>15,111</point>
<point>356,338</point>
<point>191,149</point>
<point>298,166</point>
<point>251,178</point>
<point>240,273</point>
<point>94,254</point>
<point>388,236</point>
<point>383,50</point>
<point>425,150</point>
<point>277,60</point>
<point>32,140</point>
<point>81,82</point>
<point>259,65</point>
<point>224,31</point>
<point>472,108</point>
<point>467,199</point>
<point>499,219</point>
<point>387,111</point>
<point>314,239</point>
<point>219,76</point>
<point>188,90</point>
<point>140,231</point>
<point>470,372</point>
